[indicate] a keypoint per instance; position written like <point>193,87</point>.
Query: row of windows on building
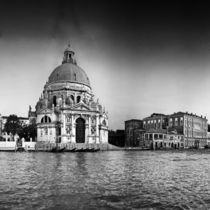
<point>176,120</point>
<point>188,122</point>
<point>172,122</point>
<point>150,136</point>
<point>153,121</point>
<point>46,131</point>
<point>74,99</point>
<point>47,119</point>
<point>195,134</point>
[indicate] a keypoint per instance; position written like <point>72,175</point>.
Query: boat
<point>80,150</point>
<point>96,150</point>
<point>20,149</point>
<point>71,150</point>
<point>58,149</point>
<point>55,149</point>
<point>90,150</point>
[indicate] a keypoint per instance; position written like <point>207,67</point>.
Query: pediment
<point>81,106</point>
<point>45,111</point>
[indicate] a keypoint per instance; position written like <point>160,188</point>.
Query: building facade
<point>67,111</point>
<point>133,133</point>
<point>194,128</point>
<point>178,130</point>
<point>161,139</point>
<point>157,135</point>
<point>155,121</point>
<point>117,138</point>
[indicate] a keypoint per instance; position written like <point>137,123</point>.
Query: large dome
<point>69,71</point>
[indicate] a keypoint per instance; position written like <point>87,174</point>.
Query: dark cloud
<point>132,16</point>
<point>132,25</point>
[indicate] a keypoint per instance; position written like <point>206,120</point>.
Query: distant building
<point>133,133</point>
<point>0,125</point>
<point>117,138</point>
<point>155,121</point>
<point>158,140</point>
<point>208,139</point>
<point>178,130</point>
<point>31,116</point>
<point>193,127</point>
<point>157,135</point>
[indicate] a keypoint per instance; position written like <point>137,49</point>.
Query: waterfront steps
<point>48,146</point>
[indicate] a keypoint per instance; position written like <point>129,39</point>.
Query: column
<point>73,139</point>
<point>97,128</point>
<point>153,141</point>
<point>87,131</point>
<point>63,133</point>
<point>64,123</point>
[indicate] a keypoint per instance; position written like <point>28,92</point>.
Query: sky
<point>141,57</point>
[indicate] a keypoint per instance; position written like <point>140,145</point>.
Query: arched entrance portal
<point>80,130</point>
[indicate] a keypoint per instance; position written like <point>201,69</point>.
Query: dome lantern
<point>68,55</point>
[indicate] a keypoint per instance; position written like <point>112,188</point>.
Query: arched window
<point>104,122</point>
<point>67,101</point>
<point>78,99</point>
<point>54,100</point>
<point>45,119</point>
<point>72,98</point>
<point>75,76</point>
<point>80,130</point>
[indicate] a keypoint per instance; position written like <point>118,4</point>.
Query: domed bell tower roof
<point>68,55</point>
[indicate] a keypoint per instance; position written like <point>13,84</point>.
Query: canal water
<point>105,180</point>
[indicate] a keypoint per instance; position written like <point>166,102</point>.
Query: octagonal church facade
<point>67,111</point>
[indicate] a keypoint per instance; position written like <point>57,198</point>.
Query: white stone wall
<point>50,136</point>
<point>7,145</point>
<point>103,136</point>
<point>29,145</point>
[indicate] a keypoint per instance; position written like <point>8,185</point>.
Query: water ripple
<point>105,180</point>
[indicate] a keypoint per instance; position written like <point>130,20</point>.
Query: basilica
<point>67,111</point>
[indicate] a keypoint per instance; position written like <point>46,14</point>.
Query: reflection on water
<point>105,180</point>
